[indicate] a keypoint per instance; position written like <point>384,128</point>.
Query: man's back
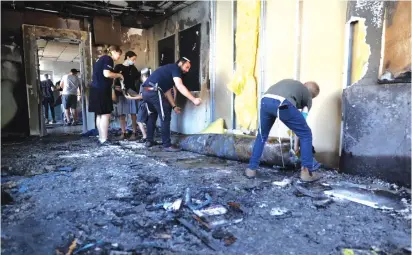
<point>46,86</point>
<point>71,84</point>
<point>164,76</point>
<point>294,91</point>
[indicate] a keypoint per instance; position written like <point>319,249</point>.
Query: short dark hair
<point>183,60</point>
<point>114,48</point>
<point>129,54</point>
<point>74,71</point>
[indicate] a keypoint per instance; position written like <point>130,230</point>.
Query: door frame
<point>31,34</point>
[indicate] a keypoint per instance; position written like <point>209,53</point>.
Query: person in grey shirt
<point>71,89</point>
<point>283,100</point>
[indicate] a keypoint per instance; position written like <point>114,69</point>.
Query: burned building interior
<point>66,189</point>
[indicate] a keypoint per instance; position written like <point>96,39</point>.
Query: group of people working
<point>155,97</point>
<point>289,100</point>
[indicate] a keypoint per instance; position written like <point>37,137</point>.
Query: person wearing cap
<point>157,94</point>
<point>71,90</point>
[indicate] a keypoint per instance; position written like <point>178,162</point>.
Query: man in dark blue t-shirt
<point>159,101</point>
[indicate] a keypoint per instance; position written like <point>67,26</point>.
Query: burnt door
<point>31,64</point>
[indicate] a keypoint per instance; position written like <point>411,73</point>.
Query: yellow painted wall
<point>224,61</point>
<point>280,47</point>
<point>360,51</point>
<point>322,61</point>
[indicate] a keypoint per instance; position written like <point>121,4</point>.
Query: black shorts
<point>69,101</point>
<point>142,114</point>
<point>100,100</point>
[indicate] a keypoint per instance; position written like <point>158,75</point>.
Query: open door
<point>32,70</point>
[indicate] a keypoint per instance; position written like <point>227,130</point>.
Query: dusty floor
<point>109,193</point>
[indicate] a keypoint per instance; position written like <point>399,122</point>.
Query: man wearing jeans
<point>47,89</point>
<point>160,101</point>
<point>283,100</point>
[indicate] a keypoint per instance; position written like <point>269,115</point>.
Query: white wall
<point>58,68</point>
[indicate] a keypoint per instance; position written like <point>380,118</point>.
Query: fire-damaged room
<point>206,127</point>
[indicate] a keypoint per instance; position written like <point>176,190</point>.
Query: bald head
<point>313,87</point>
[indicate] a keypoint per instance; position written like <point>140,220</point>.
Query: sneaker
<point>149,144</point>
<point>133,137</point>
<point>172,149</point>
<point>309,176</point>
<point>142,140</point>
<point>250,173</point>
<point>75,123</point>
<point>108,143</point>
<point>122,137</point>
<point>54,121</point>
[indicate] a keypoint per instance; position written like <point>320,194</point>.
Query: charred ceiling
<point>138,14</point>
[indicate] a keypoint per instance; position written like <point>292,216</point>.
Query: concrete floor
<point>110,192</point>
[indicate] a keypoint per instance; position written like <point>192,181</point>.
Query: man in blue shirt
<point>156,93</point>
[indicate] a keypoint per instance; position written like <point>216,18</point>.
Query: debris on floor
<point>127,200</point>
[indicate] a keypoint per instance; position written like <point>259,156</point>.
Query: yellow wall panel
<point>322,61</point>
<point>224,61</point>
<point>360,51</point>
<point>280,50</point>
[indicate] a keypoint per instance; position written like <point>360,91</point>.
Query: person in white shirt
<point>71,89</point>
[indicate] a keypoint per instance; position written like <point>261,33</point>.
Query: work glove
<point>305,115</point>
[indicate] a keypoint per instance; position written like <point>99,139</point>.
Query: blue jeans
<point>293,119</point>
<point>153,103</point>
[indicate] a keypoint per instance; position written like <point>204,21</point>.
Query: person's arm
<point>138,97</point>
<point>108,69</point>
<point>174,93</point>
<point>62,84</point>
<point>169,97</point>
<point>182,89</point>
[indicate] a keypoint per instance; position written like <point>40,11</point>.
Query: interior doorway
<point>55,51</point>
<point>57,57</point>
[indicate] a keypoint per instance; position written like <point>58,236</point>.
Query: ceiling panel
<point>57,51</point>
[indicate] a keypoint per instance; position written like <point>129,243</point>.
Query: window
<point>189,47</point>
<point>396,48</point>
<point>166,50</point>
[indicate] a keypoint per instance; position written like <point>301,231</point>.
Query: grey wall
<point>377,121</point>
<point>193,119</point>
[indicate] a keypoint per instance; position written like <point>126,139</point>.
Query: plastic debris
<point>278,211</point>
<point>211,210</point>
<point>23,188</point>
<point>66,169</point>
<point>88,246</point>
<point>285,182</point>
<point>173,207</point>
<point>221,223</point>
<point>120,253</point>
